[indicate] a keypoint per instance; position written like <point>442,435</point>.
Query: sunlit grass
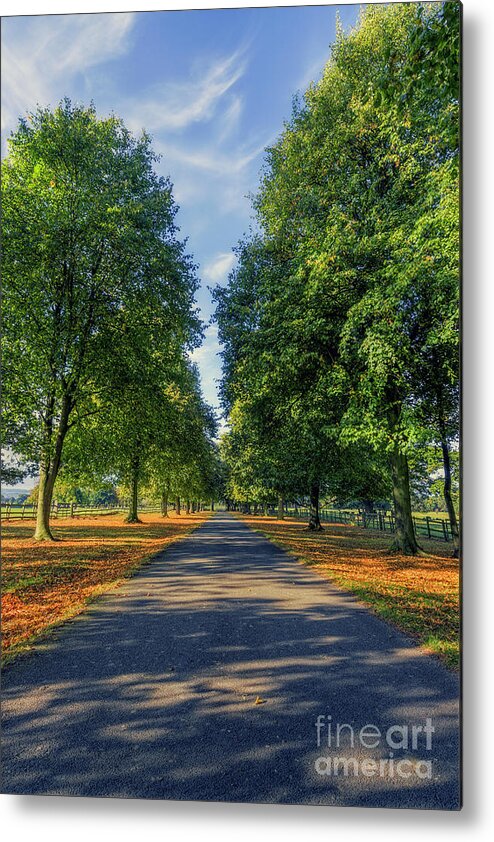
<point>420,595</point>
<point>44,584</point>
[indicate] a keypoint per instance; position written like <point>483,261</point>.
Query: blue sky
<point>211,87</point>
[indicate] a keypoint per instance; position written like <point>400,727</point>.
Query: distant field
<point>441,515</point>
<point>427,526</point>
<point>27,512</point>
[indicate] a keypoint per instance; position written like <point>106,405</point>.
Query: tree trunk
<point>164,504</point>
<point>49,467</point>
<point>281,508</point>
<point>45,494</point>
<point>405,541</point>
<point>314,519</point>
<point>133,516</point>
<point>187,507</point>
<point>212,505</point>
<point>177,506</point>
<point>447,496</point>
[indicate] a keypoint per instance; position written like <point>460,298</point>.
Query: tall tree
<point>336,305</point>
<point>88,233</point>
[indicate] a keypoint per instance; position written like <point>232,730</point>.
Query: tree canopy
<point>340,320</point>
<point>98,300</point>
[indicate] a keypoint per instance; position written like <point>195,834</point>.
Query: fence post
<point>72,509</point>
<point>427,520</point>
<point>445,530</point>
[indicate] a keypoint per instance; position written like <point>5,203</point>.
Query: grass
<point>46,584</point>
<point>432,515</point>
<point>422,515</point>
<point>419,595</point>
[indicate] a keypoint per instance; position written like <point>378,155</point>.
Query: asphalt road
<point>151,693</point>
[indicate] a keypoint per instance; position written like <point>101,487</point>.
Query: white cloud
<point>217,165</point>
<point>212,159</point>
<point>40,58</point>
<point>231,118</point>
<point>217,172</point>
<point>174,106</point>
<point>217,269</point>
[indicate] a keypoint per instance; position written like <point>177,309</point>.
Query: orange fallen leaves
<point>45,584</point>
<point>419,594</point>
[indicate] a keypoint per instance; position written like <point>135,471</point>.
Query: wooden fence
<point>21,511</point>
<point>436,529</point>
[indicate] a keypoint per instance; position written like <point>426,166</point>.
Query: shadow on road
<point>152,692</point>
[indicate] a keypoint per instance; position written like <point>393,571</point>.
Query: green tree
<point>184,460</point>
<point>351,195</point>
<point>88,233</point>
<point>336,308</point>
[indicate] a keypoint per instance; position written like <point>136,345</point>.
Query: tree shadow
<point>152,692</point>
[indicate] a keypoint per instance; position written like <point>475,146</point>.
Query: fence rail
<point>21,511</point>
<point>437,529</point>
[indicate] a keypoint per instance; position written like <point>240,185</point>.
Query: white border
<point>49,819</point>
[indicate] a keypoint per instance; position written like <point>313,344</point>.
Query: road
<point>203,678</point>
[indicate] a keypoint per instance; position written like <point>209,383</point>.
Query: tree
<point>88,234</point>
<point>282,412</point>
<point>184,458</point>
<point>336,306</point>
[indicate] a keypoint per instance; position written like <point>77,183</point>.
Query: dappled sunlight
<point>46,583</point>
<point>418,593</point>
<point>203,677</point>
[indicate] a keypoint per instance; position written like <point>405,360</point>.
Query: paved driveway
<point>152,692</point>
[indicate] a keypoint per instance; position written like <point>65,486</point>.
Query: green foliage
<point>99,302</point>
<point>340,321</point>
<point>427,479</point>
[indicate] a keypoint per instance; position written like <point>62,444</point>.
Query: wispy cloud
<point>231,118</point>
<point>217,171</point>
<point>173,106</point>
<point>196,125</point>
<point>40,59</point>
<point>214,158</point>
<point>217,269</point>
